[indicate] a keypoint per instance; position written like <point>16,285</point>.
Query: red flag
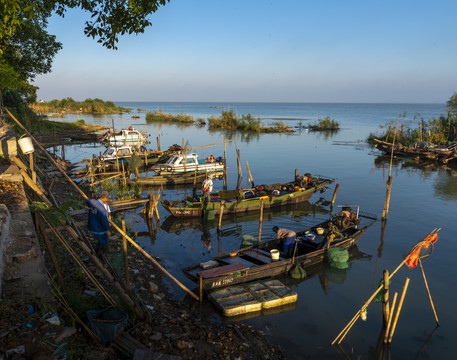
<point>413,257</point>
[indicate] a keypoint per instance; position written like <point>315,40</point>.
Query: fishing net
<point>248,240</point>
<point>208,214</point>
<point>134,162</point>
<point>298,272</point>
<point>338,258</point>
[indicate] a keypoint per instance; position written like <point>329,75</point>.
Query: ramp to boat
<point>250,297</point>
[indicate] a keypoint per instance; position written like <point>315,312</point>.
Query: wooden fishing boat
<point>181,163</point>
<point>173,179</point>
<point>255,262</point>
<point>419,150</point>
<point>243,201</point>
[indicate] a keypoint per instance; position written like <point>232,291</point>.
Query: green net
<point>338,258</point>
<point>208,214</point>
<point>248,240</point>
<point>298,272</point>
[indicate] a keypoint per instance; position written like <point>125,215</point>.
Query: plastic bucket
<point>26,145</point>
<point>274,254</point>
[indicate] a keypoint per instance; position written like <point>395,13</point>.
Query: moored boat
<point>173,179</point>
<point>181,163</point>
<point>256,262</point>
<point>129,136</point>
<point>243,201</point>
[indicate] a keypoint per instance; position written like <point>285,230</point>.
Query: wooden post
<point>200,282</point>
<point>225,164</point>
<point>123,175</point>
<point>126,259</point>
<point>158,143</point>
<point>391,315</point>
<point>150,206</point>
<point>185,159</point>
<point>334,194</point>
<point>117,161</point>
<point>32,168</point>
<point>240,172</point>
<point>385,212</point>
<point>397,314</point>
<point>260,219</point>
<point>63,152</point>
<point>250,175</point>
<point>220,216</point>
<point>296,174</point>
<point>385,302</point>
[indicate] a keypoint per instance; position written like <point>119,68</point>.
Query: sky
<point>327,51</point>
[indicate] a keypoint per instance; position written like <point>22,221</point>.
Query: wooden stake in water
<point>428,292</point>
<point>220,216</point>
<point>385,212</point>
<point>385,303</point>
<point>397,314</point>
<point>260,219</point>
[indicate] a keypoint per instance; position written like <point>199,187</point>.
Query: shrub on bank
<point>159,116</point>
<point>326,124</point>
<point>88,106</point>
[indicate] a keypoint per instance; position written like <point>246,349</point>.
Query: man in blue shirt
<point>98,223</point>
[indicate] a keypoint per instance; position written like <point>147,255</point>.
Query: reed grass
<point>442,130</point>
<point>230,121</point>
<point>159,116</point>
<point>326,124</point>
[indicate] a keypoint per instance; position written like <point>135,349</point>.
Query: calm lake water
<point>423,197</point>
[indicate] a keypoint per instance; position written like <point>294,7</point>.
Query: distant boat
<point>128,136</point>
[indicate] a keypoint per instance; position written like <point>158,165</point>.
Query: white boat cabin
<point>181,163</point>
<point>126,136</point>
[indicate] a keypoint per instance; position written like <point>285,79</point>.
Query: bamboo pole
<point>260,219</point>
<point>428,291</point>
<point>200,286</point>
<point>344,332</point>
<point>108,178</point>
<point>126,260</point>
<point>124,181</point>
<point>385,211</point>
<point>32,168</point>
<point>205,146</point>
<point>391,315</point>
<point>110,221</point>
<point>51,252</point>
<point>334,193</point>
<point>220,215</point>
<point>385,303</point>
<point>397,314</point>
<point>250,175</point>
<point>225,164</point>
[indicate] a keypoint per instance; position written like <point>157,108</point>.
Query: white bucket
<point>274,254</point>
<point>26,145</point>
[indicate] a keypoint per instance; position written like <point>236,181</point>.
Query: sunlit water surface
<point>423,198</point>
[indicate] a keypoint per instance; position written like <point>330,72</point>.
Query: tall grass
<point>326,124</point>
<point>230,121</point>
<point>436,130</point>
<point>159,116</point>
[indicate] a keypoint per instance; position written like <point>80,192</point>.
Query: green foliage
<point>326,124</point>
<point>435,130</point>
<point>88,106</point>
<point>108,20</point>
<point>230,121</point>
<point>159,116</point>
<point>54,214</point>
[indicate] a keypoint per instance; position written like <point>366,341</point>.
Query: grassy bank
<point>159,116</point>
<point>230,121</point>
<point>440,130</point>
<point>88,106</point>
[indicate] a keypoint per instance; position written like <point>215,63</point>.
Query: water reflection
<point>445,180</point>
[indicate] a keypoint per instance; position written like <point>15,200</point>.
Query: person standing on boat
<point>98,224</point>
<point>287,238</point>
<point>207,187</point>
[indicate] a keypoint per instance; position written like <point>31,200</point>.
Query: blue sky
<point>253,50</point>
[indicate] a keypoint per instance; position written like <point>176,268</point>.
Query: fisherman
<point>98,223</point>
<point>207,187</point>
<point>287,238</point>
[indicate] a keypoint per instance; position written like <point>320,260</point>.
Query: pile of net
<point>338,258</point>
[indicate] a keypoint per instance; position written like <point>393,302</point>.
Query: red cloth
<point>413,257</point>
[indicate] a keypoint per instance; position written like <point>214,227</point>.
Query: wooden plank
<point>258,256</point>
<point>223,270</point>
